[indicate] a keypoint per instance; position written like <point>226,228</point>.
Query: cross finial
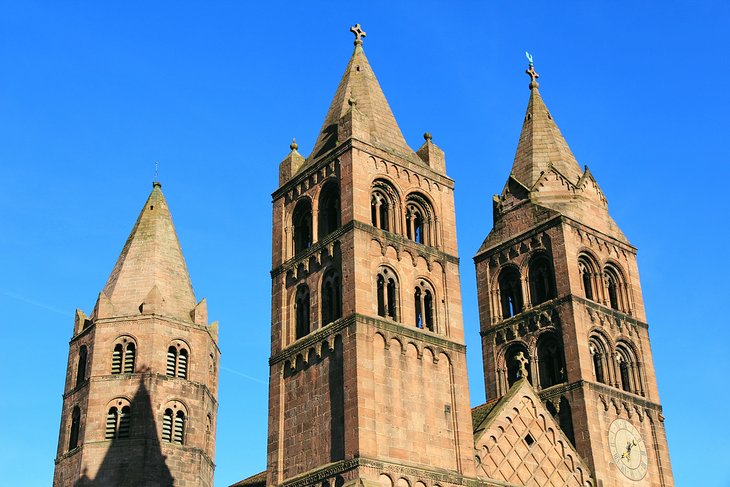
<point>531,71</point>
<point>359,34</point>
<point>522,361</point>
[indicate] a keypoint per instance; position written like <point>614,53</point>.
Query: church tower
<point>368,378</point>
<point>560,306</point>
<point>140,401</point>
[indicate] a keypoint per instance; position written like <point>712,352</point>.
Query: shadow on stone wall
<point>137,460</point>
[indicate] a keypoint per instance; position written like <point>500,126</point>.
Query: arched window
<point>614,288</point>
<point>123,356</point>
<point>329,209</point>
<point>387,292</point>
<point>550,361</point>
<point>542,285</point>
<point>587,270</point>
<point>383,200</point>
<point>301,311</point>
<point>117,421</point>
<point>302,224</point>
<point>81,367</point>
<point>177,361</point>
<point>510,291</point>
<point>331,297</point>
<point>600,359</point>
<point>517,363</point>
<point>628,369</point>
<point>419,219</point>
<point>73,440</point>
<point>423,304</point>
<point>173,425</point>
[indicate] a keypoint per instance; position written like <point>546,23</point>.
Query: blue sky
<point>92,93</point>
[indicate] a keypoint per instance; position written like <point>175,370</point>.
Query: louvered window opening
<point>117,360</point>
<point>124,421</point>
<point>171,359</point>
<point>167,425</point>
<point>129,359</point>
<point>182,364</point>
<point>179,430</point>
<point>111,424</point>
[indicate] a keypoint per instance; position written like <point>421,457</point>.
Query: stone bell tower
<point>560,305</point>
<point>140,401</point>
<point>368,378</point>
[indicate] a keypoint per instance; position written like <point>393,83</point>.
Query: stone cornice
<point>489,251</point>
<point>132,441</point>
<point>623,396</point>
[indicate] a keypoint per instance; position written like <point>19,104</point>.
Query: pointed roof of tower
<point>359,89</point>
<point>151,266</point>
<point>541,144</point>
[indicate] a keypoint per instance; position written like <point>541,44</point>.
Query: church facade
<point>368,380</point>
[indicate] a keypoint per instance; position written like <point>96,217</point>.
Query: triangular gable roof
<point>519,442</point>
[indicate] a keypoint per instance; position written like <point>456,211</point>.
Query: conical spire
<point>151,272</point>
<point>359,90</point>
<point>541,144</point>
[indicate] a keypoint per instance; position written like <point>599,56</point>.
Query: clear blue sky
<point>91,93</point>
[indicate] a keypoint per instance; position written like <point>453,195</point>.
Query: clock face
<point>628,450</point>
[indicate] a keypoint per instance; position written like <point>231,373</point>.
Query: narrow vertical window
<point>117,359</point>
<point>329,209</point>
<point>510,291</point>
<point>598,353</point>
<point>381,296</point>
<point>301,306</point>
<point>167,425</point>
<point>179,428</point>
<point>428,309</point>
<point>73,440</point>
<point>541,280</point>
<point>612,292</point>
<point>302,223</point>
<point>392,309</point>
<point>81,367</point>
<point>550,361</point>
<point>625,378</point>
<point>171,360</point>
<point>129,358</point>
<point>331,301</point>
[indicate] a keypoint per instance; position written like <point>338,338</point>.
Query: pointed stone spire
<point>541,144</point>
<point>360,92</point>
<point>150,275</point>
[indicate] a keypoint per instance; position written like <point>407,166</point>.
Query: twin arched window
<point>118,420</point>
<point>329,216</point>
<point>628,369</point>
<point>623,372</point>
<point>385,213</point>
<point>419,219</point>
<point>177,361</point>
<point>424,306</point>
<point>387,293</point>
<point>541,283</point>
<point>608,287</point>
<point>123,357</point>
<point>550,360</point>
<point>301,311</point>
<point>173,426</point>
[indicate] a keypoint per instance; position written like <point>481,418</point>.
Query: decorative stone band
<point>327,334</point>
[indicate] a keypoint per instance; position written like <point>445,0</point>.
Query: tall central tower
<point>368,374</point>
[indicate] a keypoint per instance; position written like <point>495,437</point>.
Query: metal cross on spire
<point>359,34</point>
<point>531,71</point>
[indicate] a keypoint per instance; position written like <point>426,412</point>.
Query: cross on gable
<point>522,361</point>
<point>359,33</point>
